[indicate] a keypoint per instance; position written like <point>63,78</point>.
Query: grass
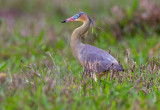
<point>37,70</point>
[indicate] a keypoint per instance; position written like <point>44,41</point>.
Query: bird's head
<point>81,16</point>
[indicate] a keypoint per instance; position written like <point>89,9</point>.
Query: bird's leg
<point>93,75</point>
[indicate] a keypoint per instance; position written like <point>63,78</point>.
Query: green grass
<point>38,71</point>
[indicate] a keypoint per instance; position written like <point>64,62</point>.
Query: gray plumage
<point>98,60</point>
<point>91,58</point>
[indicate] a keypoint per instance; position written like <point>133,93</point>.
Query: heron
<point>92,58</point>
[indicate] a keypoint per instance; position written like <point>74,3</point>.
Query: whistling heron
<point>92,58</point>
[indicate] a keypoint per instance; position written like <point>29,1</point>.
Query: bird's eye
<point>76,16</point>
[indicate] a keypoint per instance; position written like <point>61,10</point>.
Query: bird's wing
<point>97,59</point>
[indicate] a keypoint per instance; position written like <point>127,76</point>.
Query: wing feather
<point>98,59</point>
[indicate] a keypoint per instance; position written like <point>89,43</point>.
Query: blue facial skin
<point>76,16</point>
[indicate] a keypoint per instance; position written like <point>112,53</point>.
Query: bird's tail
<point>118,67</point>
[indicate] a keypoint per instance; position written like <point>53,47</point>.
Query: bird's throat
<point>75,42</point>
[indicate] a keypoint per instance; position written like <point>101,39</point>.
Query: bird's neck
<point>75,42</point>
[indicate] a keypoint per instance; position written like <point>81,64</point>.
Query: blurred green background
<point>34,42</point>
